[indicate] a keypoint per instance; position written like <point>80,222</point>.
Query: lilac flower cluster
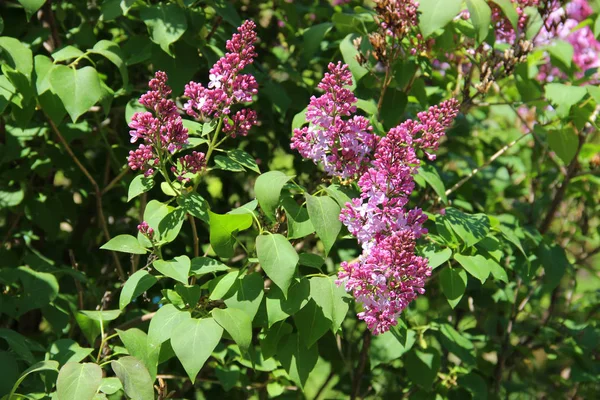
<point>388,275</point>
<point>160,129</point>
<point>397,17</point>
<point>227,85</point>
<point>146,230</point>
<point>189,164</point>
<point>341,141</point>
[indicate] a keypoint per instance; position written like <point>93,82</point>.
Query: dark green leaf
<point>222,229</point>
<point>422,366</point>
<point>268,190</point>
<point>454,283</point>
<point>297,359</point>
<point>324,214</point>
<point>166,24</point>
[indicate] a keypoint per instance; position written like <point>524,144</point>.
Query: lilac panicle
<point>227,86</point>
<point>159,129</point>
<point>388,275</point>
<point>335,137</point>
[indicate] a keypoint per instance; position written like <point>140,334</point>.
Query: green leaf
<point>161,326</point>
<point>510,12</point>
<point>166,24</point>
<point>110,385</point>
<point>195,205</point>
<point>268,190</point>
<point>18,343</point>
<point>177,268</point>
<point>102,315</point>
<point>140,184</point>
<point>39,289</point>
<point>78,89</point>
<point>31,6</point>
<point>394,103</point>
<point>237,324</point>
<point>112,52</point>
<point>247,294</point>
<point>67,53</point>
<point>313,37</point>
<point>431,176</point>
<point>324,213</point>
<point>481,16</point>
<point>272,338</point>
<point>227,164</point>
<point>135,378</point>
<point>422,366</point>
<point>124,244</point>
<point>555,263</point>
<point>165,220</point>
<point>297,360</point>
<point>137,344</point>
<point>341,194</point>
<point>67,350</point>
<point>454,283</point>
<point>476,265</point>
<point>207,265</point>
<point>222,229</point>
<point>193,341</point>
<point>564,142</point>
<point>471,228</point>
<point>312,323</point>
<point>37,367</point>
<point>243,158</point>
<point>564,97</point>
<point>221,286</point>
<point>561,50</point>
<point>18,68</point>
<point>435,16</point>
<point>311,260</point>
<point>435,256</point>
<point>458,344</point>
<point>278,258</point>
<point>190,294</point>
<point>390,346</point>
<point>535,22</point>
<point>78,381</point>
<point>349,53</point>
<point>298,223</point>
<point>280,307</point>
<point>330,298</point>
<point>137,284</point>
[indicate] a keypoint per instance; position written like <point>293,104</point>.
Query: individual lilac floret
<point>343,146</point>
<point>226,85</point>
<point>189,164</point>
<point>160,129</point>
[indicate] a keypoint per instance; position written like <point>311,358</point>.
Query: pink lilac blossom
<point>240,123</point>
<point>160,129</point>
<point>341,141</point>
<point>189,164</point>
<point>226,85</point>
<point>388,275</point>
<point>146,230</point>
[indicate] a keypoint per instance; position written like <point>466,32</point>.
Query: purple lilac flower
<point>160,129</point>
<point>226,85</point>
<point>343,146</point>
<point>189,164</point>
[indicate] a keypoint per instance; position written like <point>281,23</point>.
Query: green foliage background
<point>511,310</point>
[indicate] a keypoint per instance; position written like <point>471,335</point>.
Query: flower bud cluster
<point>341,141</point>
<point>227,86</point>
<point>161,129</point>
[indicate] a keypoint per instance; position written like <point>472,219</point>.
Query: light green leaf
<point>222,229</point>
<point>564,97</point>
<point>562,51</point>
<point>177,268</point>
<point>78,89</point>
<point>140,184</point>
<point>78,381</point>
<point>247,294</point>
<point>436,256</point>
<point>124,244</point>
<point>110,385</point>
<point>268,190</point>
<point>67,53</point>
<point>278,258</point>
<point>349,53</point>
<point>227,164</point>
<point>476,265</point>
<point>431,176</point>
<point>135,378</point>
<point>166,24</point>
<point>195,205</point>
<point>481,16</point>
<point>280,307</point>
<point>31,6</point>
<point>435,16</point>
<point>161,326</point>
<point>564,142</point>
<point>471,228</point>
<point>165,220</point>
<point>454,283</point>
<point>298,223</point>
<point>193,341</point>
<point>207,265</point>
<point>137,344</point>
<point>510,12</point>
<point>324,214</point>
<point>313,37</point>
<point>102,315</point>
<point>330,298</point>
<point>137,284</point>
<point>222,285</point>
<point>237,324</point>
<point>243,158</point>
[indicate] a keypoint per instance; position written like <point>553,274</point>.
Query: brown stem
<point>94,184</point>
<point>77,283</point>
<point>361,364</point>
<point>115,180</point>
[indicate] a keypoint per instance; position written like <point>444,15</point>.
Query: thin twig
<point>136,321</point>
<point>361,364</point>
<point>77,283</point>
<point>93,182</point>
<point>115,180</point>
